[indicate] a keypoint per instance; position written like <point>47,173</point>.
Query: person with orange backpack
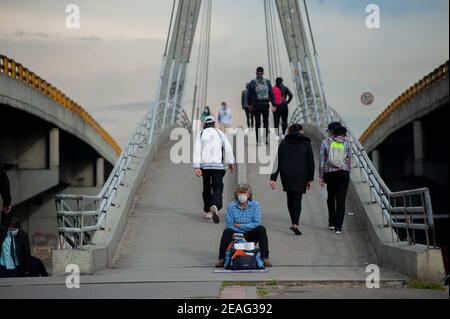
<point>283,96</point>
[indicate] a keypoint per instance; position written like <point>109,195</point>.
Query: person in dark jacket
<point>296,167</point>
<point>260,96</point>
<point>282,111</point>
<point>248,111</point>
<point>6,197</point>
<point>15,256</point>
<point>37,268</point>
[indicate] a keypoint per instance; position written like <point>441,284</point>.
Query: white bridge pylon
<point>312,107</point>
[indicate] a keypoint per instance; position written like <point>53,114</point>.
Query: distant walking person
<point>211,151</point>
<point>260,95</point>
<point>15,258</point>
<point>5,193</point>
<point>246,108</point>
<point>296,167</point>
<point>206,112</point>
<point>334,170</point>
<point>225,118</point>
<point>283,96</point>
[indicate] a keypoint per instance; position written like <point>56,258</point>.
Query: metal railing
<point>12,69</point>
<point>80,216</point>
<point>410,210</point>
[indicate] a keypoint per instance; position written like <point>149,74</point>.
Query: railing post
<point>313,90</point>
<point>157,97</point>
<point>322,91</point>
<point>177,91</point>
<point>169,88</point>
<point>302,84</point>
<point>5,66</point>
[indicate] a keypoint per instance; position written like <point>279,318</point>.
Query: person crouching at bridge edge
<point>334,171</point>
<point>243,217</point>
<point>15,258</point>
<point>211,150</point>
<point>296,166</point>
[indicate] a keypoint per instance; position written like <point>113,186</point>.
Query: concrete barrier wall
<point>415,261</point>
<point>23,97</point>
<point>99,255</point>
<point>420,105</point>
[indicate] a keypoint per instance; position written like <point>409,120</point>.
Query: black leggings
<point>294,200</point>
<point>337,186</point>
<point>282,113</point>
<point>250,118</point>
<point>212,188</point>
<point>261,108</point>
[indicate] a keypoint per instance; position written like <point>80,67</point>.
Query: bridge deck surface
<point>166,238</point>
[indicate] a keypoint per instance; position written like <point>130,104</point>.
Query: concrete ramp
<point>166,238</point>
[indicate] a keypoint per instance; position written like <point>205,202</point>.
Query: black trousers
<point>261,109</point>
<point>337,186</point>
<point>282,113</point>
<point>212,188</point>
<point>257,235</point>
<point>37,268</point>
<point>250,118</point>
<point>8,273</point>
<point>294,200</point>
<point>5,219</point>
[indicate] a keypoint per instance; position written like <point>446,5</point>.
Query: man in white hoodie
<point>212,151</point>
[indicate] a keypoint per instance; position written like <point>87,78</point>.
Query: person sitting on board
<point>244,217</point>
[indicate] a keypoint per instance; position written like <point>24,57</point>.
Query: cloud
<point>51,37</point>
<point>115,57</point>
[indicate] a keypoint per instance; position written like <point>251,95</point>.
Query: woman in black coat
<point>296,167</point>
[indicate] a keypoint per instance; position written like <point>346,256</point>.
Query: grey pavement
<point>168,250</point>
<point>355,293</point>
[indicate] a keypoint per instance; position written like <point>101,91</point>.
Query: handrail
<point>383,196</point>
<point>12,69</point>
<point>427,81</point>
<point>92,210</point>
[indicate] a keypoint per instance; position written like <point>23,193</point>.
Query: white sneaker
<point>208,216</point>
<point>338,232</point>
<point>215,214</point>
<point>331,227</point>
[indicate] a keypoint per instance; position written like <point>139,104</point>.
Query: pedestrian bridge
<point>146,225</point>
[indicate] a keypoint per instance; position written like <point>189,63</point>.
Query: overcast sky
<point>111,64</point>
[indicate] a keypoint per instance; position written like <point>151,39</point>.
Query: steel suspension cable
<point>268,39</point>
<point>170,27</point>
<point>197,72</point>
<point>208,50</point>
<point>317,64</point>
<point>277,41</point>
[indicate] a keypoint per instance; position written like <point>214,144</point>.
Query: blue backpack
<point>236,259</point>
<point>262,90</point>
